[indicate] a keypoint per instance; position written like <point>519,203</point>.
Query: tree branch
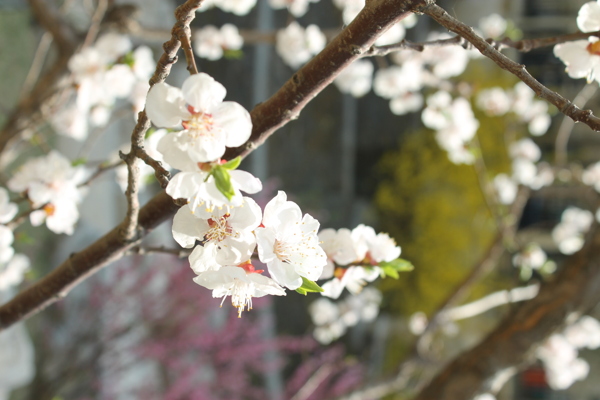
<point>185,15</point>
<point>564,106</point>
<point>576,289</point>
<point>267,117</point>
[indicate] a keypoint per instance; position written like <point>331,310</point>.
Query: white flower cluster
<point>103,73</point>
<point>227,226</point>
<point>582,57</point>
<point>296,45</point>
<point>353,256</point>
<point>455,125</point>
<point>52,186</point>
<point>296,7</point>
<point>237,7</point>
<point>225,229</point>
<point>211,42</point>
<point>521,101</point>
<point>286,241</point>
<point>17,360</point>
<point>210,125</point>
<point>493,26</point>
<point>569,233</point>
<point>591,176</point>
<point>12,266</point>
<point>560,353</point>
<point>332,320</point>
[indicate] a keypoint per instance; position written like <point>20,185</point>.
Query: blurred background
<point>142,329</point>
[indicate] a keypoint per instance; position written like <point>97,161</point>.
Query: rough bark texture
<point>576,289</point>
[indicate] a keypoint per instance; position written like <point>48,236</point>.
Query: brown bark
<point>576,289</point>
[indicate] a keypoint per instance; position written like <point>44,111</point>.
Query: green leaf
<point>128,59</point>
<point>399,264</point>
<point>309,286</point>
<point>232,164</point>
<point>24,238</point>
<point>78,161</point>
<point>389,271</point>
<point>392,268</point>
<point>223,181</point>
<point>233,54</point>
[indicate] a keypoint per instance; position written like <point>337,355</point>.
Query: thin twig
<point>491,301</point>
<point>186,46</point>
<point>100,170</point>
<point>95,23</point>
<point>22,217</point>
<point>567,125</point>
<point>37,63</point>
<point>139,250</point>
<point>527,45</point>
<point>564,106</point>
<point>184,14</point>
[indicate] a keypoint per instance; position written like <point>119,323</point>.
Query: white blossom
<point>568,234</point>
<point>506,188</point>
<point>526,149</point>
<point>588,18</point>
<point>211,42</point>
<point>532,257</point>
<point>297,45</point>
<point>407,102</point>
<point>200,189</point>
<point>17,359</point>
<point>288,243</point>
<point>356,79</point>
<point>13,271</point>
<point>8,210</point>
<point>239,282</point>
<point>581,57</point>
<point>210,123</point>
<point>455,124</point>
<point>354,279</point>
<point>492,26</point>
<point>494,101</point>
<point>51,182</point>
<point>229,228</point>
<point>296,7</point>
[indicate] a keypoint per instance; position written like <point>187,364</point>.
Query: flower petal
<point>165,106</point>
<point>202,92</point>
<point>235,121</point>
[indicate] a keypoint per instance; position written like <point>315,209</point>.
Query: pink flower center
<point>219,229</point>
<point>200,124</point>
<point>281,251</point>
<point>249,268</point>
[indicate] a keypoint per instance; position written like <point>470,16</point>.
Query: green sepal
<point>309,286</point>
<point>392,268</point>
<point>128,59</point>
<point>78,161</point>
<point>233,54</point>
<point>150,132</point>
<point>232,164</point>
<point>223,181</point>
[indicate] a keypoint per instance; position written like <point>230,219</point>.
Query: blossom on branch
<point>229,228</point>
<point>288,243</point>
<point>241,282</point>
<point>296,45</point>
<point>210,124</point>
<point>211,42</point>
<point>51,184</point>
